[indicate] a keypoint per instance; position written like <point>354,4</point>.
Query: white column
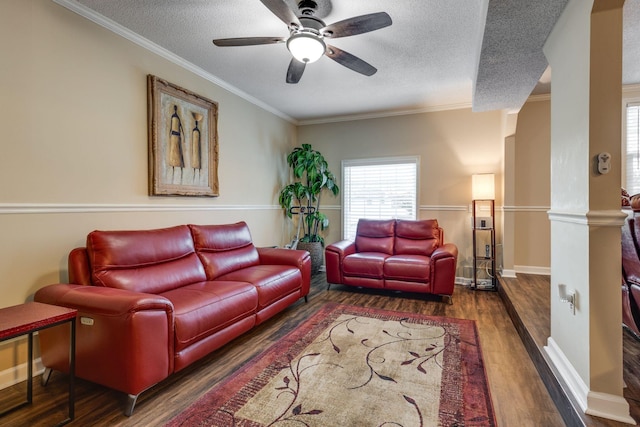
<point>585,54</point>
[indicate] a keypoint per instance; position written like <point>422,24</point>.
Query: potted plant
<point>302,197</point>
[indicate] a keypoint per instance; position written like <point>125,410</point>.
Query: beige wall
<point>452,145</point>
<point>74,146</point>
<point>74,120</point>
<point>532,169</point>
<point>74,123</point>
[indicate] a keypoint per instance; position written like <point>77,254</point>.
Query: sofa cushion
<point>149,261</point>
<point>420,237</point>
<point>412,268</point>
<point>202,309</point>
<point>375,236</point>
<point>272,282</point>
<point>224,248</point>
<point>365,264</point>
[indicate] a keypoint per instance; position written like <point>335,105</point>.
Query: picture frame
<point>183,141</point>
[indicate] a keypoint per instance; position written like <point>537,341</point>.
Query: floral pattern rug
<point>357,366</point>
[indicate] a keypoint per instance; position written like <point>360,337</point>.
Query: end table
<point>25,319</point>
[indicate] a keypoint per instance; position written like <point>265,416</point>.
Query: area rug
<point>357,366</point>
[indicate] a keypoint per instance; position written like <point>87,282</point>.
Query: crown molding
<point>384,114</point>
<point>541,97</point>
<point>630,88</point>
<point>118,29</point>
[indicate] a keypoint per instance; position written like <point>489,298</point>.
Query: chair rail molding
<point>56,208</point>
<point>601,218</point>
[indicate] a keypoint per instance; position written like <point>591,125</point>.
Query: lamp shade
<point>306,47</point>
<point>483,186</point>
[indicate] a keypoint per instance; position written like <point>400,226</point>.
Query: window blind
<point>383,188</point>
<point>632,148</point>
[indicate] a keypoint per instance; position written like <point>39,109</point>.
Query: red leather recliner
<point>151,302</point>
<point>631,272</point>
<point>398,255</point>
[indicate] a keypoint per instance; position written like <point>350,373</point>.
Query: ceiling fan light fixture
<point>306,46</point>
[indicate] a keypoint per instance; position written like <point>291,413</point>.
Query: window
<point>632,148</point>
<point>378,189</point>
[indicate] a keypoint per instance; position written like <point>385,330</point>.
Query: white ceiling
<point>437,54</point>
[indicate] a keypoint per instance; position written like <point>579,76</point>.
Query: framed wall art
<point>183,141</point>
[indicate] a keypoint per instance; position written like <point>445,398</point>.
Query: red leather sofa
<point>631,271</point>
<point>151,302</point>
<point>399,255</point>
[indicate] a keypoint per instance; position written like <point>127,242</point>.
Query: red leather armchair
<point>398,255</point>
<point>151,302</point>
<point>631,274</point>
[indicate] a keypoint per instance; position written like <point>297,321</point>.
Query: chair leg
<point>306,299</point>
<point>328,286</point>
<point>448,299</point>
<point>46,375</point>
<point>130,404</point>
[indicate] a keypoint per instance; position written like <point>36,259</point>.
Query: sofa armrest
<point>444,261</point>
<point>129,335</point>
<point>444,251</point>
<point>296,258</point>
<point>334,254</point>
<point>78,264</point>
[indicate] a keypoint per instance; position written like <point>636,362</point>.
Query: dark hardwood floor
<point>517,390</point>
<point>527,299</point>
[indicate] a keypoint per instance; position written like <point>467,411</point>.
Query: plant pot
<point>315,249</point>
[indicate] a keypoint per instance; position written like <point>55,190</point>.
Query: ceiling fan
<point>307,35</point>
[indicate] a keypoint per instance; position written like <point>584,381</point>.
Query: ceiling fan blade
<point>357,25</point>
<point>295,70</point>
<point>350,61</point>
<point>282,11</point>
<point>248,41</point>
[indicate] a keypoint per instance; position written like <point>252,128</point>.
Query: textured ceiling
<point>511,59</point>
<point>438,54</point>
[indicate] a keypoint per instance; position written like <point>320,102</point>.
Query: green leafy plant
<point>302,197</point>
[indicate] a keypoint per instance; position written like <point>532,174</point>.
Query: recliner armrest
<point>78,264</point>
<point>296,258</point>
<point>443,269</point>
<point>446,250</point>
<point>101,300</point>
<point>334,254</point>
<point>125,340</point>
<point>280,256</point>
<point>342,248</point>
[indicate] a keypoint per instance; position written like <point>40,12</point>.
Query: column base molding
<point>597,404</point>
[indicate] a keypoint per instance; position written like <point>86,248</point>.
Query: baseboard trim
<point>17,374</point>
<point>567,403</point>
<point>532,269</point>
<point>609,406</point>
<point>567,410</point>
<point>597,404</point>
<point>565,369</point>
<point>509,273</point>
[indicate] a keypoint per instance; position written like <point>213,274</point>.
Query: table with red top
<point>25,319</point>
